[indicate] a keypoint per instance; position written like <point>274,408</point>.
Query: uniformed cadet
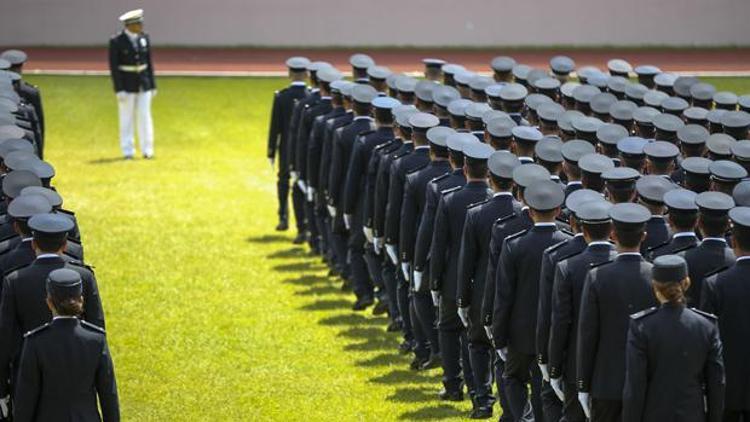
<point>401,145</point>
<point>403,163</point>
<point>360,63</point>
<point>442,96</point>
<point>20,211</point>
<point>22,307</point>
<point>725,293</point>
<point>630,151</point>
<point>377,78</point>
<point>570,273</point>
<point>343,145</point>
<point>572,151</point>
<point>354,188</point>
<point>517,296</point>
<point>651,191</point>
<point>433,69</point>
<point>713,252</point>
<point>472,269</point>
<point>132,73</point>
<point>325,76</point>
<point>696,174</point>
<point>682,218</point>
<point>592,167</point>
<point>12,184</point>
<point>512,96</point>
<point>278,131</point>
<point>30,93</point>
<point>619,184</point>
<point>675,369</point>
<point>611,292</point>
<point>446,242</point>
<point>422,310</point>
<point>65,365</point>
<point>725,175</point>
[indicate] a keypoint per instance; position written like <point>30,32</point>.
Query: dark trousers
<point>374,267</point>
<point>312,226</point>
<point>456,362</point>
<point>425,317</point>
<point>481,357</point>
<point>606,410</point>
<point>402,295</point>
<point>361,282</point>
<point>338,244</point>
<point>282,190</point>
<point>298,203</point>
<point>500,383</point>
<point>520,371</point>
<point>421,336</point>
<point>388,270</point>
<point>736,415</point>
<point>572,410</point>
<point>552,407</point>
<point>323,234</point>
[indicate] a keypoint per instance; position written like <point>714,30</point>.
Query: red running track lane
<point>399,60</point>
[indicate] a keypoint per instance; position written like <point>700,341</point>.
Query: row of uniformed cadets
<point>54,359</point>
<point>524,228</point>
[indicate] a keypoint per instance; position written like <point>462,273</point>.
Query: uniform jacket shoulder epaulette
<point>451,190</point>
<point>599,264</point>
<point>660,245</point>
<point>566,231</point>
<point>643,313</point>
<point>365,133</point>
<point>684,248</point>
<point>439,178</point>
<point>516,235</point>
<point>401,155</point>
<point>505,218</point>
<point>716,271</point>
<point>36,330</point>
<point>91,326</point>
<point>569,255</point>
<point>384,145</point>
<point>417,169</point>
<point>14,268</point>
<point>556,246</point>
<point>705,314</point>
<point>477,204</point>
<point>80,264</point>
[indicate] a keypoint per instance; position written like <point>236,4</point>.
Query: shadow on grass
<point>307,280</point>
<point>353,319</point>
<point>266,238</point>
<point>289,253</point>
<point>383,359</point>
<point>107,160</point>
<point>372,344</point>
<point>414,395</point>
<point>362,332</point>
<point>320,290</point>
<point>296,267</point>
<point>441,411</point>
<point>405,376</point>
<point>326,305</point>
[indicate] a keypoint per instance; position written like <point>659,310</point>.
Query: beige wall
<point>384,22</point>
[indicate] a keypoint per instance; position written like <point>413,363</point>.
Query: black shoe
<point>394,326</point>
<point>416,364</point>
<point>381,307</point>
<point>127,157</point>
<point>451,395</point>
<point>481,413</point>
<point>333,272</point>
<point>406,347</point>
<point>435,361</point>
<point>362,303</point>
<point>282,226</point>
<point>300,239</point>
<point>148,157</point>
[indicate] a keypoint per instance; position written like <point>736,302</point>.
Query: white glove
<point>377,242</point>
<point>368,233</point>
<point>302,185</point>
<point>121,95</point>
<point>556,384</point>
<point>348,221</point>
<point>294,175</point>
<point>545,372</point>
<point>435,297</point>
<point>503,353</point>
<point>417,280</point>
<point>488,330</point>
<point>310,194</point>
<point>391,250</point>
<point>585,401</point>
<point>463,313</point>
<point>406,270</point>
<point>4,407</point>
<point>271,161</point>
<point>331,211</point>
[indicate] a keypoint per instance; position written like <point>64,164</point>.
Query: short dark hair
<point>438,151</point>
<point>619,193</point>
<point>23,226</point>
<point>660,166</point>
<point>597,231</point>
<point>456,158</point>
<point>683,221</point>
<point>713,225</point>
<point>383,116</point>
<point>49,242</point>
<point>475,168</point>
<point>592,181</point>
<point>67,306</point>
<point>503,184</point>
<point>629,235</point>
<point>741,237</point>
<point>474,124</point>
<point>361,109</point>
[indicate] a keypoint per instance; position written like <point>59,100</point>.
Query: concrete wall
<point>384,22</point>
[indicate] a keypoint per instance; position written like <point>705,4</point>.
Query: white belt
<point>135,68</point>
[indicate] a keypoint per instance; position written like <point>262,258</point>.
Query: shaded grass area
<point>211,315</point>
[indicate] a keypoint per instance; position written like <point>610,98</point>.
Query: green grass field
<point>210,314</point>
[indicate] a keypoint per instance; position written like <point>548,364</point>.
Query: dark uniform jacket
<point>319,147</point>
<point>30,93</point>
<point>501,228</point>
<point>611,293</point>
<point>400,167</point>
<point>727,294</point>
<point>433,193</point>
<point>657,233</point>
<point>327,152</point>
<point>474,253</point>
<point>65,366</point>
<point>281,116</point>
<point>709,255</point>
<point>23,307</point>
<point>123,53</point>
<point>383,184</point>
<point>517,287</point>
<point>310,99</point>
<point>446,243</point>
<point>304,132</point>
<point>356,175</point>
<point>570,274</point>
<point>413,206</point>
<point>673,354</point>
<point>550,258</point>
<point>676,243</point>
<point>375,167</point>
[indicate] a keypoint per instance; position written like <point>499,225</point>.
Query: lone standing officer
<point>133,79</point>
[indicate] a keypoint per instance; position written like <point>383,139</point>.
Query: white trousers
<point>135,109</point>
